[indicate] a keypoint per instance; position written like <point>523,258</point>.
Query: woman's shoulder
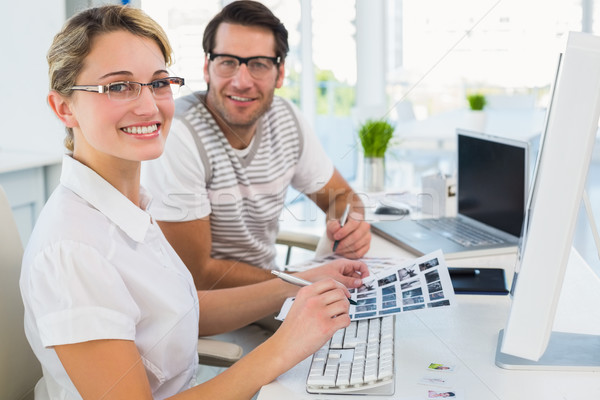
<point>67,218</point>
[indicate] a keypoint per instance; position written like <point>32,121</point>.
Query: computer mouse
<point>383,209</point>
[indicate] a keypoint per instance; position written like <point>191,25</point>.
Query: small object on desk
<point>382,209</point>
<point>342,223</point>
<point>464,271</point>
<point>294,280</point>
<point>478,281</point>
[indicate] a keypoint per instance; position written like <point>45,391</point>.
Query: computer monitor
<point>527,342</point>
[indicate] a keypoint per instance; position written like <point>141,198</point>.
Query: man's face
<point>240,100</point>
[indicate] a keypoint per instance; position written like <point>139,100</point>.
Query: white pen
<point>342,223</point>
<point>294,280</point>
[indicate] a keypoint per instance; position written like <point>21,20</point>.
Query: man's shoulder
<point>184,105</point>
<point>279,104</point>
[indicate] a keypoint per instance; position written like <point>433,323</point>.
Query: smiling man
<point>234,150</point>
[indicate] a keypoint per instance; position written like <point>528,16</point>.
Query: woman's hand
<point>318,311</point>
<point>348,272</point>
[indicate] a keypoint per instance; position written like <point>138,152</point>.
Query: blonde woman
<point>111,311</point>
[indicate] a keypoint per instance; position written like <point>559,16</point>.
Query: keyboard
<point>358,359</point>
<point>459,232</point>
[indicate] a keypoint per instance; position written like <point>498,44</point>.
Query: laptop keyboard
<point>357,358</point>
<point>460,232</point>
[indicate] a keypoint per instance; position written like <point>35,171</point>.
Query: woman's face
<point>106,130</point>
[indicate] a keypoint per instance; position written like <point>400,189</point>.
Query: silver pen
<point>342,223</point>
<point>294,280</point>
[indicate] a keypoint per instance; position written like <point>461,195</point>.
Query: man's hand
<point>347,272</point>
<point>354,237</point>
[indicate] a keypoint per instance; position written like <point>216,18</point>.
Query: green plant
<point>375,136</point>
<point>476,101</point>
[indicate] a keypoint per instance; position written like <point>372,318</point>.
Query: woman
<point>110,310</point>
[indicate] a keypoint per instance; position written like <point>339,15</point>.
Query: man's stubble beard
<point>224,117</point>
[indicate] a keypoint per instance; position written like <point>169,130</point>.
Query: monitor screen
<point>492,174</point>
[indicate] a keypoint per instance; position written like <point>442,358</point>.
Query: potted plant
<point>476,101</point>
<point>375,135</point>
<point>477,119</point>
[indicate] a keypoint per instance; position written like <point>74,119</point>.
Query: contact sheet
<point>396,286</point>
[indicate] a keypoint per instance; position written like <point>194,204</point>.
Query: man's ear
<point>280,75</point>
<point>206,75</point>
<point>62,109</point>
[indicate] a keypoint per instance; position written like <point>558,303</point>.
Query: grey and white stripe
<point>246,194</point>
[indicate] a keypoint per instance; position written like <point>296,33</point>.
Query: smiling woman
<point>111,311</point>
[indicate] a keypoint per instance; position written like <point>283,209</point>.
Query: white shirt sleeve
<point>77,295</point>
<point>177,179</point>
<point>314,167</point>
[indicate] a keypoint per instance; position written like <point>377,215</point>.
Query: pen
<point>342,223</point>
<point>294,280</point>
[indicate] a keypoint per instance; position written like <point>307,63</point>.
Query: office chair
<point>296,239</point>
<point>19,368</point>
<point>218,353</point>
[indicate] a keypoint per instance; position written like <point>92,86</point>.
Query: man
<point>232,153</point>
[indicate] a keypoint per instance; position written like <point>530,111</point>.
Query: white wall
<point>26,31</point>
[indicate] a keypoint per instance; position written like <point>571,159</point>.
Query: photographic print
<point>432,276</point>
<point>407,273</point>
<point>436,296</point>
<point>439,304</point>
<point>410,284</point>
<point>395,286</point>
<point>390,311</point>
<point>387,280</point>
<point>434,287</point>
<point>388,290</point>
<point>413,300</point>
<point>429,264</point>
<point>415,307</point>
<point>412,293</point>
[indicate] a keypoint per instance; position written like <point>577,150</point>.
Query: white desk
<point>28,178</point>
<point>466,335</point>
<point>516,124</point>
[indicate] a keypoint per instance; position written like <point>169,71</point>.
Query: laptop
<point>493,174</point>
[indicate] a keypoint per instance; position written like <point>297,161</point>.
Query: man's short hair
<point>248,13</point>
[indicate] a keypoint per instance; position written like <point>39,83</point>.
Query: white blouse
<point>98,267</point>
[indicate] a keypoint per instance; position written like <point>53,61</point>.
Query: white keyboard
<point>359,359</point>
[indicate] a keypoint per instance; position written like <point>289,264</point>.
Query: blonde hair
<point>74,42</point>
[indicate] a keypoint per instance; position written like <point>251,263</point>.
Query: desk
<point>516,124</point>
<point>466,335</point>
<point>28,178</point>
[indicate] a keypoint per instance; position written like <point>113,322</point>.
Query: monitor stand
<point>565,352</point>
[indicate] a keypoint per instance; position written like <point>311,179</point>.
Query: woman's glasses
<point>126,90</point>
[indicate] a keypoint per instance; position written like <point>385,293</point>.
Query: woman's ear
<point>62,109</point>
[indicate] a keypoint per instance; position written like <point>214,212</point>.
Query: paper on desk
<point>398,286</point>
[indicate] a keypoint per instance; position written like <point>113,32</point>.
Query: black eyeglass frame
<point>172,80</point>
<point>244,60</point>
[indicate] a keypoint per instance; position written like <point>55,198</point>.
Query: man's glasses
<point>259,67</point>
<point>126,90</point>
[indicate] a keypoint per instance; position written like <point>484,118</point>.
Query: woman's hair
<point>248,13</point>
<point>74,42</point>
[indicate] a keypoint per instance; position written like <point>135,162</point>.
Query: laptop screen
<point>492,177</point>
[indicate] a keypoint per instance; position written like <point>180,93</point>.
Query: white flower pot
<point>374,174</point>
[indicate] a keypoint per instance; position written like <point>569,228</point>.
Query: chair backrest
<point>19,368</point>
